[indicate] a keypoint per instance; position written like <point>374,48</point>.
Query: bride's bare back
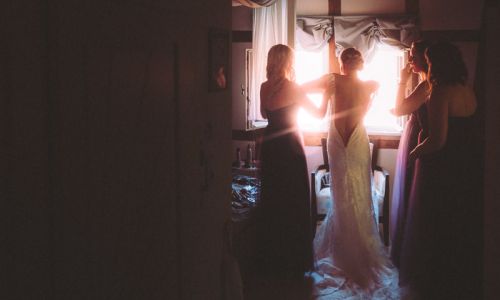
<point>351,100</point>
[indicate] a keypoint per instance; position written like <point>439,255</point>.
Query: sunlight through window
<point>383,68</point>
<point>309,66</point>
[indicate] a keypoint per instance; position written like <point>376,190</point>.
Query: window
<point>383,68</point>
<point>309,66</point>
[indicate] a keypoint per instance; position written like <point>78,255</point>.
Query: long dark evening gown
<point>442,247</point>
<point>284,224</point>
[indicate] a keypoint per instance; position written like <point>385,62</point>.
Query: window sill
<point>383,139</point>
<point>247,135</point>
<point>258,124</point>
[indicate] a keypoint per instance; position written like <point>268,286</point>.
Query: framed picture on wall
<point>218,59</point>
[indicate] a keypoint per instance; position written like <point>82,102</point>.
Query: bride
<point>347,247</point>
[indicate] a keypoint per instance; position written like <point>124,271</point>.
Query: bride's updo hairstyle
<point>351,59</point>
<point>280,63</point>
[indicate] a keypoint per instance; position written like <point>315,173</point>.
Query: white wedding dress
<point>351,260</point>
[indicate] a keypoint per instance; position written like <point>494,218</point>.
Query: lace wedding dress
<point>351,261</point>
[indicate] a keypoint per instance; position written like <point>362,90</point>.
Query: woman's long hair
<point>420,47</point>
<point>446,65</point>
<point>280,63</point>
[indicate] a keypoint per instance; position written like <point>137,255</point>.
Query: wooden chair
<point>321,199</point>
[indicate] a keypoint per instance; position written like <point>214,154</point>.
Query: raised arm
<point>406,105</point>
<point>304,101</point>
<point>411,103</point>
<point>317,85</point>
<point>373,87</point>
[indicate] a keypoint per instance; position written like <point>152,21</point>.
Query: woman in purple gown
<point>441,251</point>
<point>404,170</point>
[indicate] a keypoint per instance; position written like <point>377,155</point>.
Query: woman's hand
<point>412,157</point>
<point>405,74</point>
<point>418,151</point>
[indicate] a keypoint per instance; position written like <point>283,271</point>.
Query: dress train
<point>350,258</point>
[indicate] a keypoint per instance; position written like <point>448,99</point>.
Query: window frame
<point>313,137</point>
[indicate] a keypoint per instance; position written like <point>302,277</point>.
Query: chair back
<point>320,180</point>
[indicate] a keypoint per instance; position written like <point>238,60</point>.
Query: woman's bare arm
<point>405,106</point>
<point>317,85</point>
<point>373,87</point>
<point>304,101</point>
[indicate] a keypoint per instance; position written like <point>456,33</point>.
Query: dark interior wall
<point>490,61</point>
<point>24,205</point>
<point>112,119</point>
<point>115,157</point>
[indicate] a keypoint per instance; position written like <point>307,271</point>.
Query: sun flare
<point>383,68</point>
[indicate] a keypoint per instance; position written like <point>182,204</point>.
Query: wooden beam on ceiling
<point>452,35</point>
<point>412,7</point>
<point>334,7</point>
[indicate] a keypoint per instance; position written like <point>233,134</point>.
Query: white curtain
<point>270,27</point>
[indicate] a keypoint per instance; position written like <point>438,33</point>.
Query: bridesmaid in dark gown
<point>441,253</point>
<point>286,234</point>
<point>404,169</point>
<point>284,224</point>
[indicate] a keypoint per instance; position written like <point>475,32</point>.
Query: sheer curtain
<point>270,27</point>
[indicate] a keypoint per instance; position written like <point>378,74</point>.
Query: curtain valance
<point>253,3</point>
<point>365,32</point>
<point>312,33</point>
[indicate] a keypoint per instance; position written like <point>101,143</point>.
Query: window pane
<point>308,66</point>
<point>384,68</point>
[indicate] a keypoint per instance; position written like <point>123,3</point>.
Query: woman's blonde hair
<point>351,59</point>
<point>280,63</point>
